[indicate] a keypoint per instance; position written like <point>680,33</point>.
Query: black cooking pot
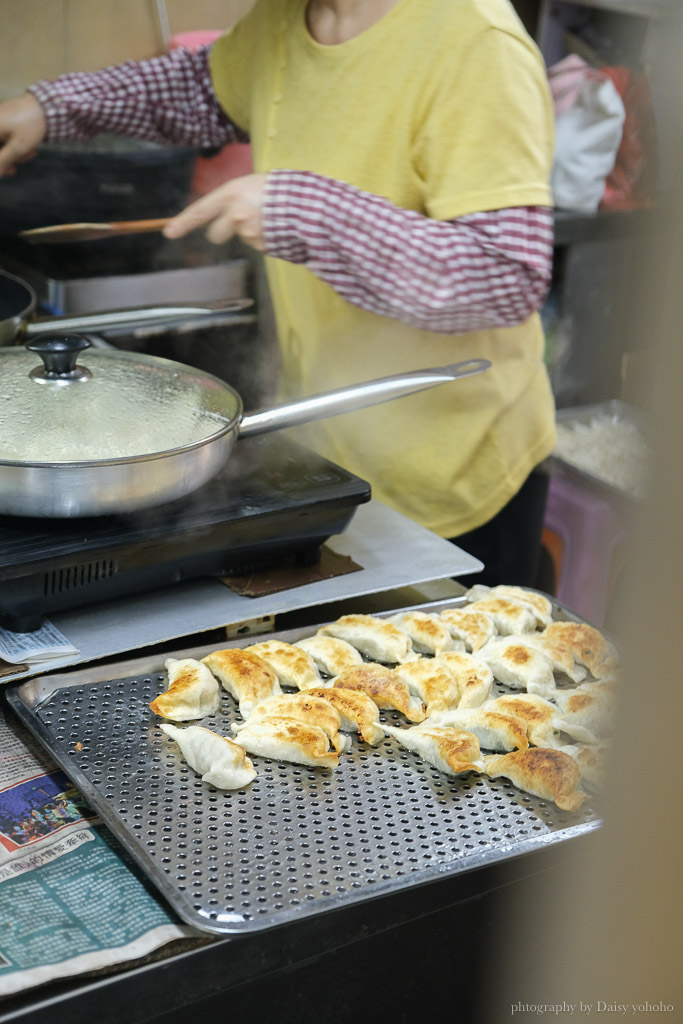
<point>108,178</point>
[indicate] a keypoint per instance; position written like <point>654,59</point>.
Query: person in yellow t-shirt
<point>402,153</point>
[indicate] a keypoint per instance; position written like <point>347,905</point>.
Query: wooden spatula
<point>88,232</point>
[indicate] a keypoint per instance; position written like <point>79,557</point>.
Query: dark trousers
<point>509,545</point>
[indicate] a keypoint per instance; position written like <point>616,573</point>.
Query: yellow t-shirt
<point>441,107</point>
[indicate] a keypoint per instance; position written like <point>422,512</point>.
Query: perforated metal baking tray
<point>297,841</point>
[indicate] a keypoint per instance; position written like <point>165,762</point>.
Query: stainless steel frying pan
<point>128,431</point>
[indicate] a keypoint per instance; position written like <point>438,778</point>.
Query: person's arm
<point>166,99</point>
<point>479,271</point>
<point>482,270</point>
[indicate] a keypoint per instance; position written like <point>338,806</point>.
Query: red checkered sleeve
<point>480,271</point>
<point>167,99</point>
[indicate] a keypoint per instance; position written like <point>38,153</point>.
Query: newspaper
<point>41,644</point>
<point>70,900</point>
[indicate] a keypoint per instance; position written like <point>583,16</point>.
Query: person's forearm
<point>480,271</point>
<point>167,99</point>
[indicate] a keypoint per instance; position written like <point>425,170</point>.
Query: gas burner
<point>273,501</point>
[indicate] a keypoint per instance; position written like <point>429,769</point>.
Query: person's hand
<point>22,129</point>
<point>235,208</point>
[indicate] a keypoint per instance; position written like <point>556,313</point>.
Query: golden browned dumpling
<point>292,665</point>
<point>539,604</point>
<point>386,688</point>
<point>559,653</point>
<point>431,682</point>
<point>519,665</point>
<point>589,707</point>
<point>588,645</point>
<point>357,710</point>
<point>303,707</point>
<point>376,638</point>
<point>592,762</point>
<point>428,634</point>
<point>509,616</point>
<point>473,675</point>
<point>330,654</point>
<point>472,627</point>
<point>245,676</point>
<point>217,759</point>
<point>494,730</point>
<point>537,713</point>
<point>192,693</point>
<point>548,774</point>
<point>285,739</point>
<point>450,750</point>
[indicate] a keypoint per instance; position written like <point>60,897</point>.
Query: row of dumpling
<point>308,727</point>
<point>512,632</point>
<point>446,694</point>
<point>576,720</point>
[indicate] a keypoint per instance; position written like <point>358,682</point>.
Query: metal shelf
<point>640,8</point>
<point>588,227</point>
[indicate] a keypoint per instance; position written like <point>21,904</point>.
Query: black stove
<point>274,501</point>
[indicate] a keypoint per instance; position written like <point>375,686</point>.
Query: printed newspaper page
<point>70,901</point>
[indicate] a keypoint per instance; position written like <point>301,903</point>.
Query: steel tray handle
<point>358,396</point>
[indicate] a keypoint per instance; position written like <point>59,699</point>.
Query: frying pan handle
<point>357,396</point>
<point>93,322</point>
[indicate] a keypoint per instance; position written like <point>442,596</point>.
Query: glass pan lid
<point>131,405</point>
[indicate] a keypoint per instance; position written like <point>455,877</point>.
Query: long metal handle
<point>93,322</point>
<point>358,396</point>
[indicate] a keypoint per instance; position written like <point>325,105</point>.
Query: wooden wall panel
<point>45,38</point>
<point>31,37</point>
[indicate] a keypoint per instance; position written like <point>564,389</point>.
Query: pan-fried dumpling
<point>286,739</point>
<point>245,676</point>
<point>537,713</point>
<point>591,708</point>
<point>589,646</point>
<point>450,750</point>
<point>218,760</point>
<point>546,724</point>
<point>493,729</point>
<point>592,762</point>
<point>192,693</point>
<point>559,653</point>
<point>304,708</point>
<point>519,665</point>
<point>432,683</point>
<point>474,677</point>
<point>330,654</point>
<point>292,665</point>
<point>378,639</point>
<point>358,712</point>
<point>385,687</point>
<point>539,604</point>
<point>472,627</point>
<point>548,774</point>
<point>509,616</point>
<point>429,635</point>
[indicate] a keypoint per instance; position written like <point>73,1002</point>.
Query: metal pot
<point>108,177</point>
<point>18,302</point>
<point>131,431</point>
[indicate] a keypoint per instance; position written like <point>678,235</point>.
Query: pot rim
<point>229,425</point>
<point>22,314</point>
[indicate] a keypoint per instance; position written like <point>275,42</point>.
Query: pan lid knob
<point>59,354</point>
